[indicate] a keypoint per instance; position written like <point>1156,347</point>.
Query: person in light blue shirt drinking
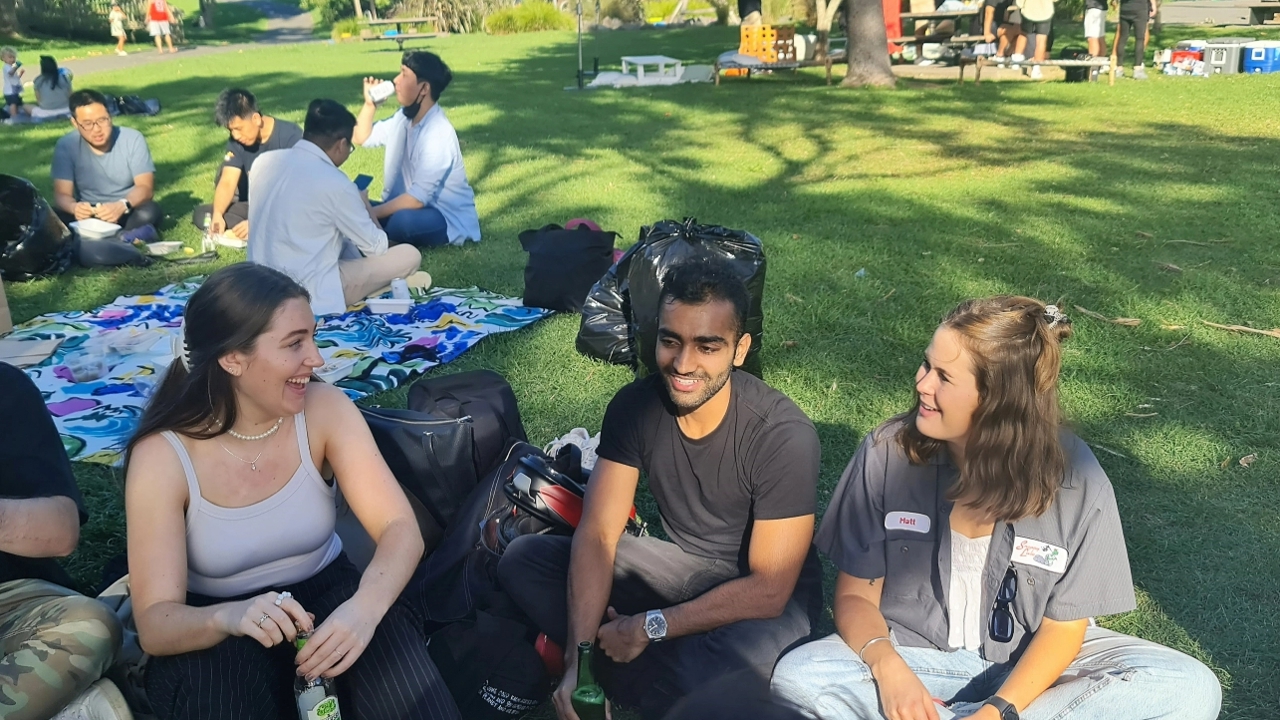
<point>426,199</point>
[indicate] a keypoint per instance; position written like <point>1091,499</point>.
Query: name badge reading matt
<point>915,522</point>
<point>1039,554</point>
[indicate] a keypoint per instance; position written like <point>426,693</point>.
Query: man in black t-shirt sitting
<point>252,134</point>
<point>55,644</point>
<point>733,466</point>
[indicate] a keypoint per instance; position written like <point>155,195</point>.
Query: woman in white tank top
<point>232,548</point>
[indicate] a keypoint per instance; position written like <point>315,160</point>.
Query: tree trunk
<point>206,13</point>
<point>868,46</point>
<point>359,11</point>
<point>9,24</point>
<point>826,11</point>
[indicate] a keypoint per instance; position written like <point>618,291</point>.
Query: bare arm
<point>156,498</point>
<point>775,558</point>
<point>39,527</point>
<point>224,194</point>
<point>64,197</point>
<point>610,494</point>
<point>1052,649</point>
<point>384,512</point>
<point>859,621</point>
<point>143,189</point>
<point>364,121</point>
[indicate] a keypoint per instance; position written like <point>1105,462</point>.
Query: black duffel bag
<point>431,456</point>
<point>564,264</point>
<point>485,397</point>
<point>490,666</point>
<point>620,317</point>
<point>34,242</point>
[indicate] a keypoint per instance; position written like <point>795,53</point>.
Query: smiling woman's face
<point>274,376</point>
<point>947,389</point>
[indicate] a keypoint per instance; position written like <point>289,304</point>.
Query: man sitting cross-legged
<point>55,644</point>
<point>310,222</point>
<point>426,199</point>
<point>103,171</point>
<point>733,466</point>
<point>252,134</point>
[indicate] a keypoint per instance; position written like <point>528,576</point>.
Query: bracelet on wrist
<point>869,643</point>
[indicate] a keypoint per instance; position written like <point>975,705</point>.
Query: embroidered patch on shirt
<point>915,522</point>
<point>228,156</point>
<point>1039,554</point>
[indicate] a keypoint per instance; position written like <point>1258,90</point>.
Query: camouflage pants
<point>54,643</point>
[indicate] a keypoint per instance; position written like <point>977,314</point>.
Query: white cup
<point>380,92</point>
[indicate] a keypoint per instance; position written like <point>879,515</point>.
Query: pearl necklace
<point>260,436</point>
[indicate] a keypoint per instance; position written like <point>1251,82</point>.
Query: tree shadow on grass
<point>939,195</point>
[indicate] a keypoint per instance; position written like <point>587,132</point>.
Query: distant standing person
<point>1095,26</point>
<point>12,82</point>
<point>1134,18</point>
<point>252,134</point>
<point>53,90</point>
<point>1037,19</point>
<point>117,18</point>
<point>159,16</point>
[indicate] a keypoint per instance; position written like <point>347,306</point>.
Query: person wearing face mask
<point>231,525</point>
<point>309,221</point>
<point>426,199</point>
<point>975,539</point>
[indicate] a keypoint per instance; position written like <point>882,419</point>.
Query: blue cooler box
<point>1222,56</point>
<point>1262,57</point>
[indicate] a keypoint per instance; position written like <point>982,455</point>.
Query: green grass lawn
<point>1153,200</point>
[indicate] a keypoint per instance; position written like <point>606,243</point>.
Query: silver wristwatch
<point>655,625</point>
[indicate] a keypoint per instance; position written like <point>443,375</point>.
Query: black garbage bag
<point>620,316</point>
<point>34,242</point>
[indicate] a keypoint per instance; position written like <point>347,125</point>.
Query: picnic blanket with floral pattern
<point>96,418</point>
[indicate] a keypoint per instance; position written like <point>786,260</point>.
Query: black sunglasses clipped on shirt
<point>1002,620</point>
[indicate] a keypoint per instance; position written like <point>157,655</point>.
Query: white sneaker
<point>585,441</point>
<point>121,53</point>
<point>1035,73</point>
<point>1016,59</point>
<point>102,701</point>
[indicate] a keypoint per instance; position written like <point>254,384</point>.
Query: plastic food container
<point>94,229</point>
<point>130,341</point>
<point>168,247</point>
<point>385,306</point>
<point>86,367</point>
<point>335,370</point>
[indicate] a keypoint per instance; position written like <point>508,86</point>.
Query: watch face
<point>655,625</point>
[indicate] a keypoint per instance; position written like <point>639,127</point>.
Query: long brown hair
<point>1013,461</point>
<point>231,309</point>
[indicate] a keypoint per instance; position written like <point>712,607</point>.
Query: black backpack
<point>33,241</point>
<point>1075,52</point>
<point>484,396</point>
<point>490,666</point>
<point>564,264</point>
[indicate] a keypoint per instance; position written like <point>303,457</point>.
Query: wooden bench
<point>400,35</point>
<point>981,62</point>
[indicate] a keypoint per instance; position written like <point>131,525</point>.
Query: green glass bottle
<point>317,699</point>
<point>588,697</point>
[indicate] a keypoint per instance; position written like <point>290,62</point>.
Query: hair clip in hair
<point>179,346</point>
<point>1054,315</point>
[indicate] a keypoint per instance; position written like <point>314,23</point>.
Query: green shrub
<point>527,17</point>
<point>349,26</point>
<point>628,11</point>
<point>329,12</point>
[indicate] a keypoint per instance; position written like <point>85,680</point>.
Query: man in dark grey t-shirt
<point>102,171</point>
<point>733,467</point>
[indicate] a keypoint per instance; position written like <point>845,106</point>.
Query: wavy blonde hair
<point>1013,460</point>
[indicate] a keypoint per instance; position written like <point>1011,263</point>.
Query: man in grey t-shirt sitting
<point>102,171</point>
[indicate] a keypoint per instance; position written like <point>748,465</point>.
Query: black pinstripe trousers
<point>239,679</point>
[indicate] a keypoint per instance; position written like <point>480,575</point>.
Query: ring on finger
<point>282,597</point>
<point>263,619</point>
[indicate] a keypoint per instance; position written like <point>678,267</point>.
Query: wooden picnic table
<point>401,36</point>
<point>940,14</point>
<point>932,35</point>
<point>981,62</point>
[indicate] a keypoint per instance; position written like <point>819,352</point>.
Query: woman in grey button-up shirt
<point>983,458</point>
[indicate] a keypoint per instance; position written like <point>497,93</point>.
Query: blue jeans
<point>424,227</point>
<point>1114,676</point>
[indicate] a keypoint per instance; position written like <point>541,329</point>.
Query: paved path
<point>285,24</point>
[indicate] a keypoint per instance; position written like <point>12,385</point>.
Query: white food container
<point>384,306</point>
<point>335,370</point>
<point>94,229</point>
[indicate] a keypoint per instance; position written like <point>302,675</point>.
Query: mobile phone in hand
<point>362,181</point>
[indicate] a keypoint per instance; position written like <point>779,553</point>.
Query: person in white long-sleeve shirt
<point>426,199</point>
<point>309,221</point>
